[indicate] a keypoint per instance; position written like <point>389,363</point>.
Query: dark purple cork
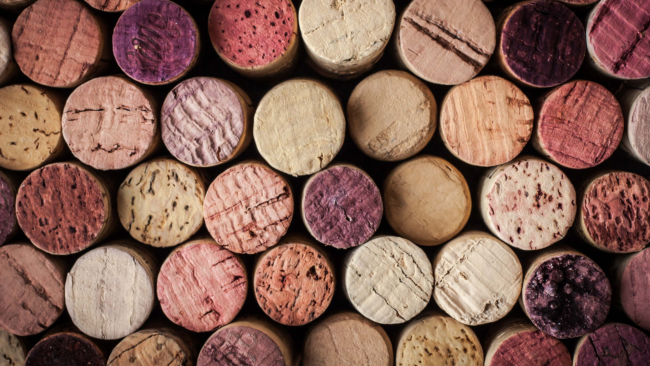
<point>65,349</point>
<point>614,345</point>
<point>240,345</point>
<point>7,209</point>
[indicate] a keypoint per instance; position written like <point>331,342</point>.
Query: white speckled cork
<point>635,103</point>
<point>156,346</point>
<point>12,350</point>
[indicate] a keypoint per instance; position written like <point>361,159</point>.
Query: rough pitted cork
<point>12,350</point>
<point>631,283</point>
<point>8,67</point>
<point>8,223</point>
<point>635,103</point>
<point>151,347</point>
<point>611,345</point>
<point>66,349</point>
<point>111,6</point>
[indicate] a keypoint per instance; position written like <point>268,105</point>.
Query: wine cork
<point>30,120</point>
<point>65,348</point>
<point>160,203</point>
<point>254,39</point>
<point>299,127</point>
<point>541,43</point>
<point>435,339</point>
<point>157,346</point>
<point>445,41</point>
<point>486,121</point>
<point>111,6</point>
<point>294,282</point>
<point>613,344</point>
<point>248,208</point>
<point>202,286</point>
<point>528,203</point>
<point>345,39</point>
<point>341,206</point>
<point>427,200</point>
<point>206,121</point>
<point>636,110</point>
<point>156,42</point>
<point>12,350</point>
<point>64,208</point>
<point>347,339</point>
<point>578,3</point>
<point>110,291</point>
<point>8,223</point>
<point>392,115</point>
<point>565,294</point>
<point>32,289</point>
<point>613,212</point>
<point>616,38</point>
<point>632,286</point>
<point>389,280</point>
<point>8,67</point>
<point>579,125</point>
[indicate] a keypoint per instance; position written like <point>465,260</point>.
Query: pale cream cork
<point>12,350</point>
<point>8,67</point>
<point>155,346</point>
<point>635,103</point>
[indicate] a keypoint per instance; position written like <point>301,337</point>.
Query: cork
<point>206,121</point>
<point>111,6</point>
<point>64,349</point>
<point>64,208</point>
<point>389,280</point>
<point>528,203</point>
<point>160,203</point>
<point>427,200</point>
<point>579,125</point>
<point>30,121</point>
<point>12,350</point>
<point>347,339</point>
<point>392,115</point>
<point>110,290</point>
<point>8,223</point>
<point>344,39</point>
<point>445,41</point>
<point>635,104</point>
<point>256,40</point>
<point>294,282</point>
<point>156,346</point>
<point>248,208</point>
<point>156,42</point>
<point>613,212</point>
<point>630,281</point>
<point>435,339</point>
<point>8,67</point>
<point>299,127</point>
<point>202,286</point>
<point>32,289</point>
<point>486,121</point>
<point>613,344</point>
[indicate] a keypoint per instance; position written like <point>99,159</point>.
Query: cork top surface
<point>151,347</point>
<point>112,6</point>
<point>614,344</point>
<point>634,289</point>
<point>65,349</point>
<point>11,350</point>
<point>5,47</point>
<point>7,209</point>
<point>638,126</point>
<point>531,347</point>
<point>241,345</point>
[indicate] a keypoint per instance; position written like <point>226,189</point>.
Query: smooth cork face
<point>634,289</point>
<point>637,128</point>
<point>611,345</point>
<point>66,349</point>
<point>8,223</point>
<point>152,347</point>
<point>11,349</point>
<point>111,6</point>
<point>522,344</point>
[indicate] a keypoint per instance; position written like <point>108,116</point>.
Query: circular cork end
<point>11,349</point>
<point>248,208</point>
<point>30,120</point>
<point>32,289</point>
<point>529,203</point>
<point>299,127</point>
<point>486,121</point>
<point>205,122</point>
<point>637,128</point>
<point>65,349</point>
<point>392,115</point>
<point>6,56</point>
<point>152,347</point>
<point>427,200</point>
<point>347,339</point>
<point>58,43</point>
<point>613,344</point>
<point>8,223</point>
<point>109,292</point>
<point>294,283</point>
<point>542,43</point>
<point>202,286</point>
<point>389,280</point>
<point>160,203</point>
<point>446,41</point>
<point>634,289</point>
<point>155,42</point>
<point>111,6</point>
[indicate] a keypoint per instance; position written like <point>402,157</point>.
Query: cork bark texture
<point>446,41</point>
<point>8,223</point>
<point>634,289</point>
<point>427,200</point>
<point>528,347</point>
<point>152,347</point>
<point>388,280</point>
<point>486,121</point>
<point>636,139</point>
<point>613,344</point>
<point>299,127</point>
<point>392,115</point>
<point>248,208</point>
<point>65,349</point>
<point>112,6</point>
<point>12,352</point>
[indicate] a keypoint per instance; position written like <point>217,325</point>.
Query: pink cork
<point>634,289</point>
<point>532,348</point>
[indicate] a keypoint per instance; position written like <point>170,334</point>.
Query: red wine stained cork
<point>427,200</point>
<point>631,284</point>
<point>613,212</point>
<point>110,291</point>
<point>206,121</point>
<point>158,346</point>
<point>64,208</point>
<point>611,345</point>
<point>392,115</point>
<point>202,286</point>
<point>160,203</point>
<point>389,280</point>
<point>299,127</point>
<point>294,282</point>
<point>347,339</point>
<point>253,38</point>
<point>248,208</point>
<point>8,67</point>
<point>111,6</point>
<point>528,203</point>
<point>12,350</point>
<point>32,289</point>
<point>636,110</point>
<point>445,41</point>
<point>486,121</point>
<point>30,121</point>
<point>565,294</point>
<point>8,223</point>
<point>156,42</point>
<point>65,349</point>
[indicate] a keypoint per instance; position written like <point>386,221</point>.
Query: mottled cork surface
<point>151,347</point>
<point>8,223</point>
<point>12,352</point>
<point>634,289</point>
<point>65,349</point>
<point>637,128</point>
<point>532,348</point>
<point>112,6</point>
<point>612,345</point>
<point>242,344</point>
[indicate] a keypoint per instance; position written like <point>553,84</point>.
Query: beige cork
<point>635,103</point>
<point>299,127</point>
<point>392,115</point>
<point>427,200</point>
<point>12,350</point>
<point>8,67</point>
<point>156,346</point>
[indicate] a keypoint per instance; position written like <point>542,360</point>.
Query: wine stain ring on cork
<point>12,349</point>
<point>64,349</point>
<point>154,346</point>
<point>613,344</point>
<point>631,283</point>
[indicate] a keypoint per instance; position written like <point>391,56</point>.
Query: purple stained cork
<point>240,345</point>
<point>614,345</point>
<point>7,209</point>
<point>65,349</point>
